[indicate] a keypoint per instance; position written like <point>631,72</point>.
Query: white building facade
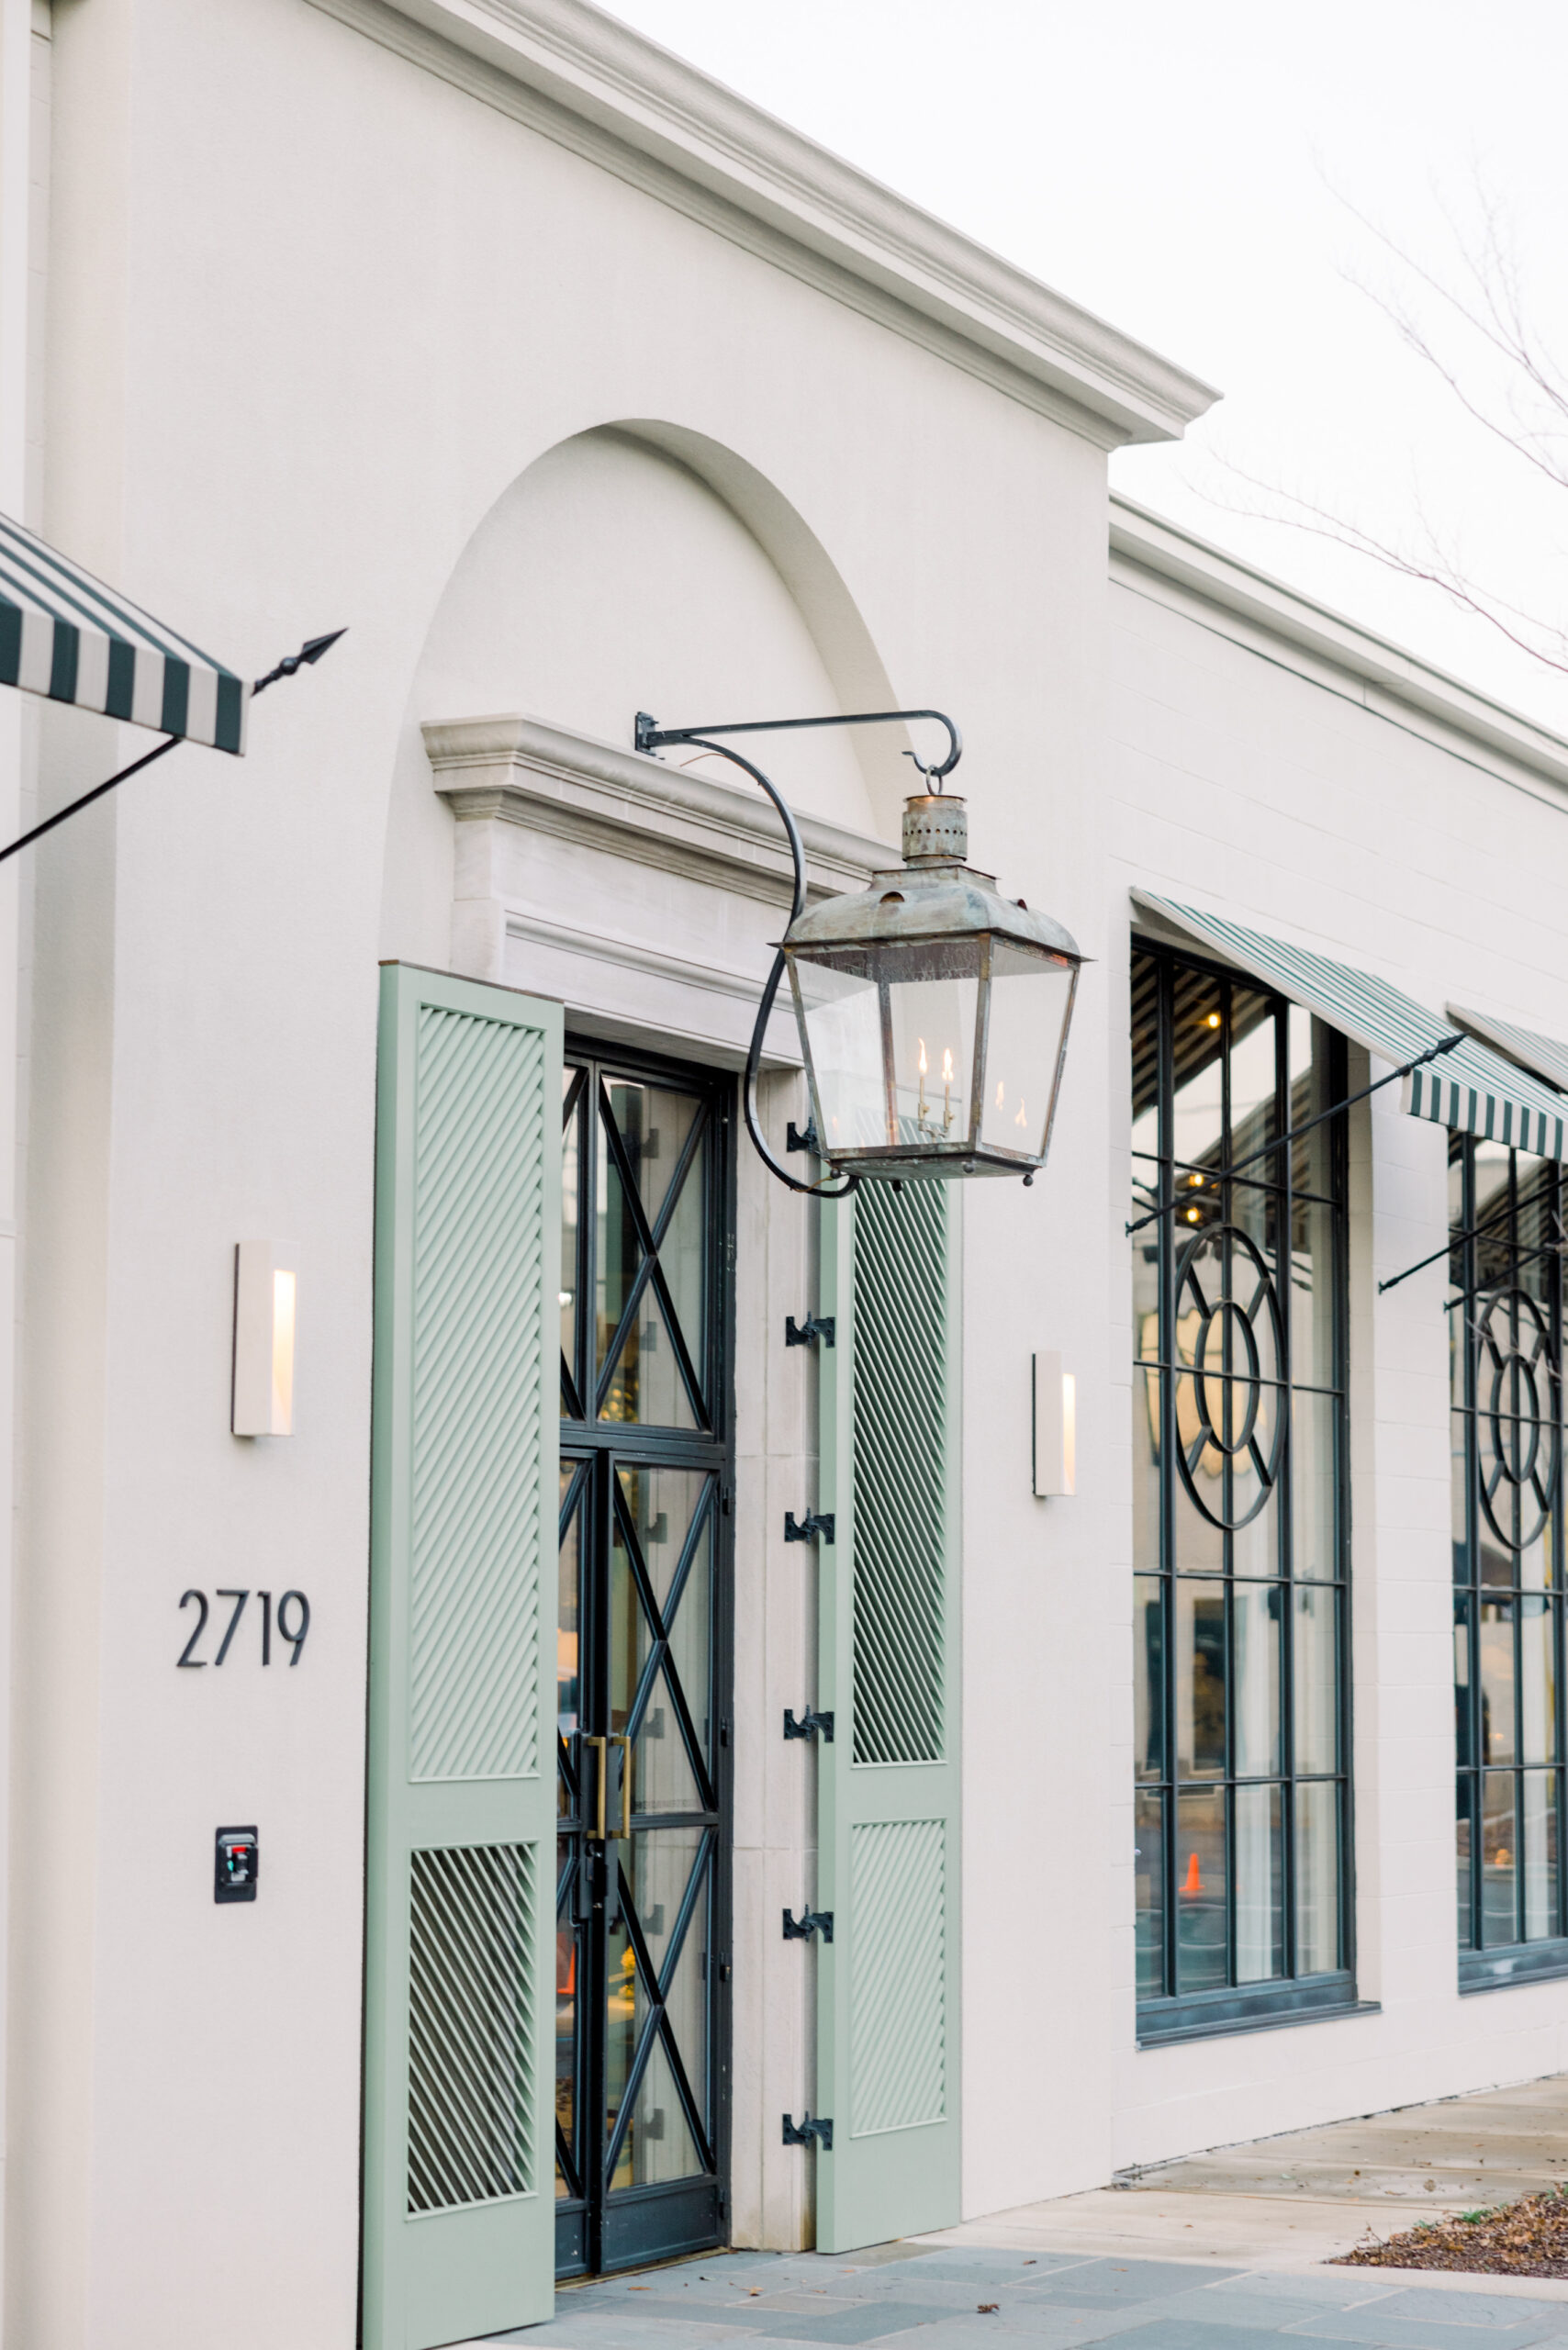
<point>575,387</point>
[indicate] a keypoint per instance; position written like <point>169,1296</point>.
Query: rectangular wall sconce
<point>1055,1425</point>
<point>262,1400</point>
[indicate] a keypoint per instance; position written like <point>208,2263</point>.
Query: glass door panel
<point>642,1931</point>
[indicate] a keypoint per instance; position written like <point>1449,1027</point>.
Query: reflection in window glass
<point>1148,1676</point>
<point>1316,1650</point>
<point>1260,1885</point>
<point>1256,1632</point>
<point>1238,1461</point>
<point>1200,1679</point>
<point>1317,1875</point>
<point>1149,1865</point>
<point>1203,1877</point>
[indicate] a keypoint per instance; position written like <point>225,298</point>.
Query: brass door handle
<point>598,1828</point>
<point>601,1772</point>
<point>625,1745</point>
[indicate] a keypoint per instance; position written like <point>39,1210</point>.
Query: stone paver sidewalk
<point>930,2297</point>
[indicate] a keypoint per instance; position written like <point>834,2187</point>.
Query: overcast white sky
<point>1171,169</point>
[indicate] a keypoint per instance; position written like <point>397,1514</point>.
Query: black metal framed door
<point>643,1922</point>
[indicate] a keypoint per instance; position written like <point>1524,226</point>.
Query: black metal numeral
<point>239,1597</point>
<point>280,1616</point>
<point>196,1662</point>
<point>295,1639</point>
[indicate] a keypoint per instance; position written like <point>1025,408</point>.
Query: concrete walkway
<point>929,2297</point>
<point>1218,2252</point>
<point>1295,2200</point>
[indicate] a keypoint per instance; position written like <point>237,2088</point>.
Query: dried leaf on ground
<point>1525,2239</point>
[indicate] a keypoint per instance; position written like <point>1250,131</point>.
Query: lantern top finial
<point>936,827</point>
<point>935,895</point>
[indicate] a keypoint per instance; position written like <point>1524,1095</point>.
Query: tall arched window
<point>1240,1524</point>
<point>1506,1351</point>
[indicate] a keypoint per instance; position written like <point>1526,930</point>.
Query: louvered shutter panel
<point>459,2156</point>
<point>888,1829</point>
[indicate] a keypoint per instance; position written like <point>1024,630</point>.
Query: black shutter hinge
<point>816,1526</point>
<point>809,1726</point>
<point>820,2130</point>
<point>809,1922</point>
<point>806,1334</point>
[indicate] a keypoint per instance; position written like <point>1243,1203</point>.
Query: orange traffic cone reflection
<point>1193,1883</point>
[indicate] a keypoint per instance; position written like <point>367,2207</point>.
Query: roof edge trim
<point>654,104</point>
<point>1145,542</point>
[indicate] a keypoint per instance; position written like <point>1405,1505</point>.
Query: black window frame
<point>1484,1265</point>
<point>612,2229</point>
<point>1172,2013</point>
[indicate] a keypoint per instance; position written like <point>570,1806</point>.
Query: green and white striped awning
<point>1471,1088</point>
<point>1542,1056</point>
<point>65,635</point>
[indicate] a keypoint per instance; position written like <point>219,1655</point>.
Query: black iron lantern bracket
<point>649,736</point>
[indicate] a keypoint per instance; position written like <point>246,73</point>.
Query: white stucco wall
<point>321,319</point>
<point>338,338</point>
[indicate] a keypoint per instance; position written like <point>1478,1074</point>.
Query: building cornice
<point>1155,558</point>
<point>521,771</point>
<point>606,90</point>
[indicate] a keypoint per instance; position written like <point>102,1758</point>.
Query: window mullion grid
<point>1470,1253</point>
<point>1168,1440</point>
<point>1517,1505</point>
<point>1338,1188</point>
<point>1512,1401</point>
<point>1555,1602</point>
<point>1284,1486</point>
<point>1228,1485</point>
<point>1226,1195</point>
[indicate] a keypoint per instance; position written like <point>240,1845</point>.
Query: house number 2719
<point>292,1622</point>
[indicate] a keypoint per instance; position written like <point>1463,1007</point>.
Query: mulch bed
<point>1525,2239</point>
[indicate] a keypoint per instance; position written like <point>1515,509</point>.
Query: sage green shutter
<point>888,1827</point>
<point>459,2135</point>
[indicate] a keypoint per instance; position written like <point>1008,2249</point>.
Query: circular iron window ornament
<point>1230,1343</point>
<point>1515,1419</point>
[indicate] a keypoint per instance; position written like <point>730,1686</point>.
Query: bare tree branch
<point>1548,646</point>
<point>1499,371</point>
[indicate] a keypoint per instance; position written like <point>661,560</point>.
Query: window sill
<point>1211,2015</point>
<point>1504,1970</point>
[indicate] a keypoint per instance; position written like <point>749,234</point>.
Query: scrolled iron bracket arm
<point>648,736</point>
<point>651,736</point>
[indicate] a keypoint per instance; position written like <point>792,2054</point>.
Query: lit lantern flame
<point>1022,1119</point>
<point>948,1069</point>
<point>923,1056</point>
<point>999,1093</point>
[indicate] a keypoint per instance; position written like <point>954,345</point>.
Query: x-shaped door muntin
<point>655,1982</point>
<point>649,1238</point>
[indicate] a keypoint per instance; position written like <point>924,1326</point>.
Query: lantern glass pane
<point>843,1033</point>
<point>932,1027</point>
<point>1028,1009</point>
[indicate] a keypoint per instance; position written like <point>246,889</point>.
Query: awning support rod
<point>1283,1142</point>
<point>310,651</point>
<point>1473,1232</point>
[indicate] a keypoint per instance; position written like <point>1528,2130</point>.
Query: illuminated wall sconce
<point>1055,1425</point>
<point>263,1395</point>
